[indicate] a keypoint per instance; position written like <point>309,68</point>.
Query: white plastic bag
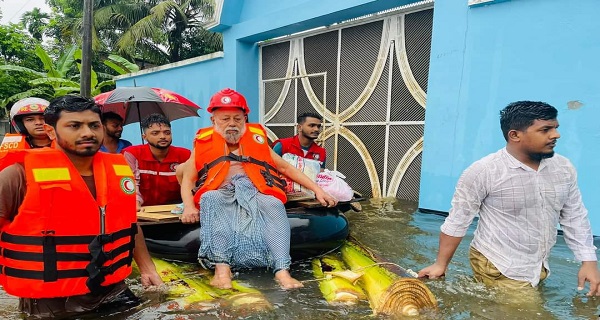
<point>333,183</point>
<point>309,167</point>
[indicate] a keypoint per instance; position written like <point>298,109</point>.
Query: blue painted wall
<point>244,23</point>
<point>485,57</point>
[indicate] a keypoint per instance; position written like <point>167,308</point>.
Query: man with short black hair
<point>521,193</point>
<point>113,128</point>
<point>303,144</point>
<point>155,164</point>
<point>68,220</point>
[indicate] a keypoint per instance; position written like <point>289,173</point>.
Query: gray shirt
<point>519,209</point>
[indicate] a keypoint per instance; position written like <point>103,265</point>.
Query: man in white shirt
<point>521,193</point>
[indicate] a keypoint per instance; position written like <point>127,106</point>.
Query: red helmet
<point>228,98</point>
<point>25,107</point>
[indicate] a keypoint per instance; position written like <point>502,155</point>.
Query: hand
<point>589,273</point>
<point>151,280</point>
<point>325,199</point>
<point>139,207</point>
<point>434,271</point>
<point>190,214</point>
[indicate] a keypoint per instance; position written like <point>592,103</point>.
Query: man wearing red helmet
<point>233,177</point>
<point>27,118</point>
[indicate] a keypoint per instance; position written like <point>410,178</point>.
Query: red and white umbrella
<point>136,103</point>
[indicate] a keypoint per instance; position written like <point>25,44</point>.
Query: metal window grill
<point>368,78</point>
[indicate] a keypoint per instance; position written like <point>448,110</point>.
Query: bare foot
<point>222,277</point>
<point>286,281</point>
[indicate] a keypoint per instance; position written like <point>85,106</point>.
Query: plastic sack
<point>309,167</point>
<point>333,183</point>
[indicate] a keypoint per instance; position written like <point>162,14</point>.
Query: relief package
<point>333,183</point>
<point>309,167</point>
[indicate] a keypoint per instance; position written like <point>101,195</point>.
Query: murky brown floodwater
<point>394,230</point>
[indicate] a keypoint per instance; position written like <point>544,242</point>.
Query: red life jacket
<point>213,159</point>
<point>158,183</point>
<point>63,242</point>
<point>292,145</point>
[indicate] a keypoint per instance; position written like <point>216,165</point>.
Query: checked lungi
<point>242,227</point>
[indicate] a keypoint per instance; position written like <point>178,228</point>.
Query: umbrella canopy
<point>136,103</point>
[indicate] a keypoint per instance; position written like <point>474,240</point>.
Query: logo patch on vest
<point>258,138</point>
<point>316,156</point>
<point>174,166</point>
<point>127,185</point>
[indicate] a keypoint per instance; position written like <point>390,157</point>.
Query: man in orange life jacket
<point>27,118</point>
<point>303,144</point>
<point>154,164</point>
<point>72,244</point>
<point>234,178</point>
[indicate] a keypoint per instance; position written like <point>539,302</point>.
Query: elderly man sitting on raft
<point>232,186</point>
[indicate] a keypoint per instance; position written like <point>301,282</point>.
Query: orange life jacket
<point>213,159</point>
<point>63,242</point>
<point>14,141</point>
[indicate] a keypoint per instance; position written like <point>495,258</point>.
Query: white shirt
<point>519,209</point>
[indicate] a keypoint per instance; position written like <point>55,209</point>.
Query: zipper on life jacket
<point>102,219</point>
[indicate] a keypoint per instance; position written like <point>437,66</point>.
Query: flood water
<point>393,229</point>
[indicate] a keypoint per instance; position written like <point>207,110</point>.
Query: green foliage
<point>120,64</point>
<point>35,21</point>
<point>152,31</point>
<point>17,47</point>
<point>60,76</point>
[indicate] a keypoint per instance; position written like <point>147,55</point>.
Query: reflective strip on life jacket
<point>156,173</point>
<point>51,174</point>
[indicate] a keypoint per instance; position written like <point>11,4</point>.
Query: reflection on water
<point>392,228</point>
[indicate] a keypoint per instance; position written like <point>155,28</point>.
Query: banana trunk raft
<point>188,289</point>
<point>346,281</point>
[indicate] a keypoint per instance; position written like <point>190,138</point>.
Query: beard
<point>541,156</point>
<point>87,152</point>
<point>114,134</point>
<point>160,146</point>
<point>309,136</point>
<point>233,136</point>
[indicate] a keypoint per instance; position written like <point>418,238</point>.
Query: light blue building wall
<point>484,57</point>
<point>481,59</point>
<point>243,24</point>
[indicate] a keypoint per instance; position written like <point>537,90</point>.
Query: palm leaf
<point>61,91</point>
<point>98,89</point>
<point>105,83</point>
<point>103,75</point>
<point>66,60</point>
<point>117,68</point>
<point>54,82</point>
<point>46,61</point>
<point>125,66</point>
<point>22,95</point>
<point>10,67</point>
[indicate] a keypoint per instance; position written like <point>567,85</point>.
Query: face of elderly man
<point>229,123</point>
